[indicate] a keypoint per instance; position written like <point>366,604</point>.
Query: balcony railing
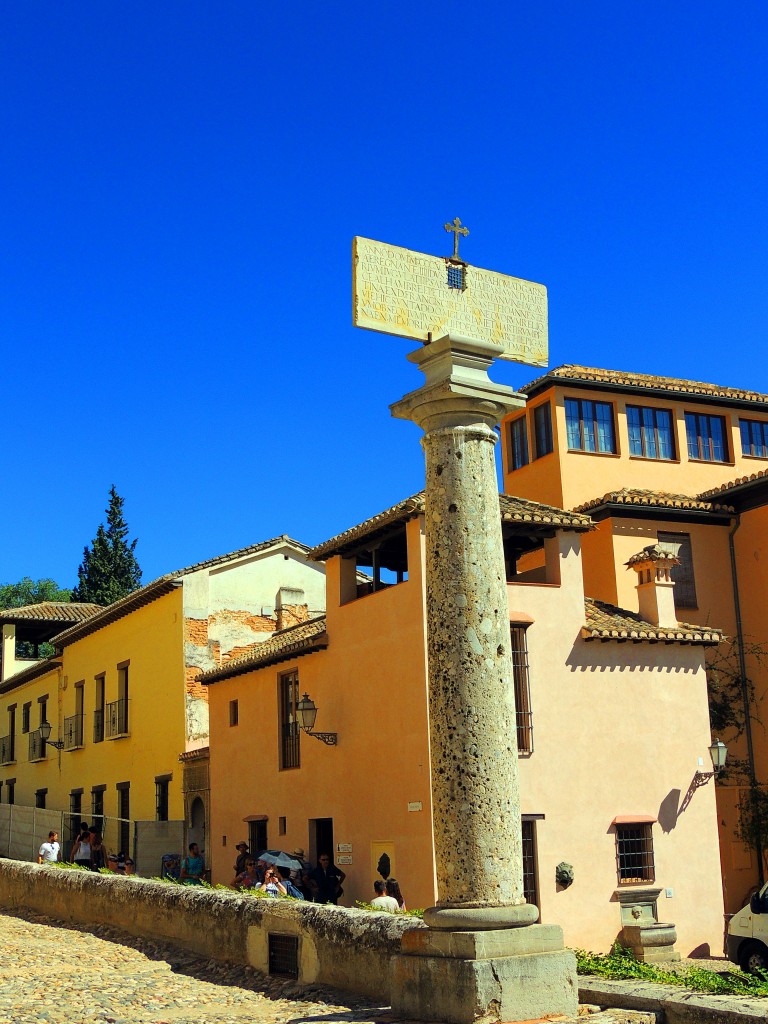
<point>7,753</point>
<point>117,718</point>
<point>98,725</point>
<point>73,732</point>
<point>36,746</point>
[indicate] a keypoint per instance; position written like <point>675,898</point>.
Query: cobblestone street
<point>54,974</point>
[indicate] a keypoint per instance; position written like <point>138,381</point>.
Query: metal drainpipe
<point>744,687</point>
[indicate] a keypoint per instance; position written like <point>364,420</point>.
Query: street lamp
<point>718,752</point>
<point>306,713</point>
<point>45,733</point>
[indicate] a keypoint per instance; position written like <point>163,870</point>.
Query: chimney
<point>655,586</point>
<point>290,607</point>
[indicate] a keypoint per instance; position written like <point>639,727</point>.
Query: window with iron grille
<point>706,437</point>
<point>75,813</point>
<point>284,955</point>
<point>682,574</point>
<point>98,713</point>
<point>650,432</point>
<point>530,873</point>
<point>289,726</point>
<point>634,853</point>
<point>10,746</point>
<point>455,277</point>
<point>117,718</point>
<point>518,443</point>
<point>162,783</point>
<point>26,711</point>
<point>589,426</point>
<point>542,428</point>
<point>97,807</point>
<point>521,680</point>
<point>124,814</point>
<point>10,786</point>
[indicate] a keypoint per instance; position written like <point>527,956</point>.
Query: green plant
<point>620,964</point>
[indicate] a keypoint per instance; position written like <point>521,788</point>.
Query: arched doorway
<point>196,829</point>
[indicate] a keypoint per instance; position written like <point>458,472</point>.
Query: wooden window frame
<point>288,725</point>
<point>582,420</point>
<point>705,446</point>
<point>543,437</point>
<point>519,454</point>
<point>642,427</point>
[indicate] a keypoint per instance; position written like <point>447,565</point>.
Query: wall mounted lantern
<point>45,734</point>
<point>718,752</point>
<point>306,713</point>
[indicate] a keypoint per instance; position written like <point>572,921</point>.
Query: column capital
<point>458,391</point>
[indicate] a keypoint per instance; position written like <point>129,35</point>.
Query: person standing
<point>393,890</point>
<point>81,851</point>
<point>382,901</point>
<point>49,851</point>
<point>328,878</point>
<point>242,858</point>
<point>193,866</point>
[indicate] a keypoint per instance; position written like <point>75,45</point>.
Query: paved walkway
<point>54,974</point>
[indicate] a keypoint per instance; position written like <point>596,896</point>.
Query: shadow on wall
<point>614,656</point>
<point>669,810</point>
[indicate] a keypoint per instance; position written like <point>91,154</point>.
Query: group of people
<point>88,851</point>
<point>322,884</point>
<point>388,896</point>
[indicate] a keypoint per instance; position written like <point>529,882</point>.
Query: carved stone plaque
<point>399,291</point>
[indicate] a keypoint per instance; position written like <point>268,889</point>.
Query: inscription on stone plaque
<point>411,294</point>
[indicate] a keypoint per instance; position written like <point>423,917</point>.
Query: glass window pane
<point>746,439</point>
<point>588,426</point>
<point>664,433</point>
<point>717,437</point>
<point>633,429</point>
<point>604,414</point>
<point>572,423</point>
<point>692,435</point>
<point>649,434</point>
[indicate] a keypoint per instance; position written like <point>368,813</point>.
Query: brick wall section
<point>196,632</point>
<point>291,615</point>
<point>194,688</point>
<point>254,623</point>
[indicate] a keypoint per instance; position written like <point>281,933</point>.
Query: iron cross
<point>457,230</point>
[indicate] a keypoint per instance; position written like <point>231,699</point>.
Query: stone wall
<point>346,949</point>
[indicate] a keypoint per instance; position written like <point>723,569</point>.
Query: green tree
<point>29,591</point>
<point>109,570</point>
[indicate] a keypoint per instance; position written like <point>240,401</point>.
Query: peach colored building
<point>682,462</point>
<point>612,712</point>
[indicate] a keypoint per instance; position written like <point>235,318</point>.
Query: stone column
<point>468,964</point>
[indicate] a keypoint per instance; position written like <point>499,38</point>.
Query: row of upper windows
<point>590,427</point>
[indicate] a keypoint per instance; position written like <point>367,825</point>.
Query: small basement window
<point>284,955</point>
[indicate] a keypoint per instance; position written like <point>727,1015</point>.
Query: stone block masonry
<point>342,948</point>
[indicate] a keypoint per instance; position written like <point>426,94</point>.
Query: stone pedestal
<point>651,941</point>
<point>451,972</point>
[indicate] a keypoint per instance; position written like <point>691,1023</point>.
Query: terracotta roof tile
<point>512,509</point>
<point>51,611</point>
<point>302,638</point>
<point>732,485</point>
<point>607,622</point>
<point>651,382</point>
<point>657,499</point>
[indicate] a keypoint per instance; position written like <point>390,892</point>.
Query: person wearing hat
<point>242,857</point>
<point>299,876</point>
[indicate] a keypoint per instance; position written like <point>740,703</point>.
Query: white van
<point>747,942</point>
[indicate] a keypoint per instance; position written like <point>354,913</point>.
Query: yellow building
<point>656,459</point>
<point>612,710</point>
<point>129,722</point>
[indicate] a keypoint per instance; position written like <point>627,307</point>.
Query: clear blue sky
<point>181,185</point>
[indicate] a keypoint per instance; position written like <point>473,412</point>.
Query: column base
<point>519,974</point>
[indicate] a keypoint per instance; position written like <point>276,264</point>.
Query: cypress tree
<point>109,570</point>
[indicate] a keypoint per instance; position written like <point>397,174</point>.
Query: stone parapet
<point>346,949</point>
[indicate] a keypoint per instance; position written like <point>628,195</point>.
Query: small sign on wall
<point>344,859</point>
<point>414,805</point>
<point>344,847</point>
